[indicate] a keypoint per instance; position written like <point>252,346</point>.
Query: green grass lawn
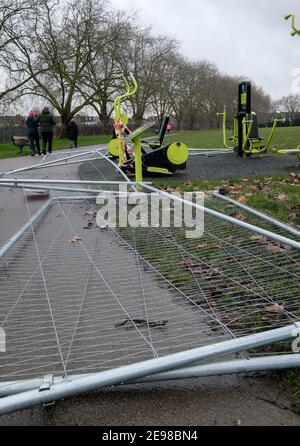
<point>8,150</point>
<point>285,138</point>
<point>277,195</point>
<point>261,193</point>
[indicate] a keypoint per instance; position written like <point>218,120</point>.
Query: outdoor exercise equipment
<point>137,155</point>
<point>295,30</point>
<point>246,139</point>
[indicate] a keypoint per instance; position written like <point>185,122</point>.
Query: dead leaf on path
<point>75,239</point>
<point>89,215</point>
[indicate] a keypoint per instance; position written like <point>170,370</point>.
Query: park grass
<point>265,200</point>
<point>263,195</point>
<point>285,138</point>
<point>8,150</point>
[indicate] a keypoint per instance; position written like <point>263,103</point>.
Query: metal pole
<point>234,221</point>
<point>253,365</point>
<point>37,181</point>
<point>60,188</point>
<point>226,368</point>
<point>65,163</point>
<point>143,369</point>
<point>259,214</point>
<point>119,170</point>
<point>24,228</point>
<point>44,165</point>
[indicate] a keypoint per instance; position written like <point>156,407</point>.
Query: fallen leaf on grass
<point>209,245</point>
<point>243,199</point>
<point>240,217</point>
<point>276,308</point>
<point>234,189</point>
<point>282,197</point>
<point>197,268</point>
<point>259,238</point>
<point>274,247</point>
<point>292,216</point>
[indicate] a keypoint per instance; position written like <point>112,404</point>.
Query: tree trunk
<point>104,118</point>
<point>191,125</point>
<point>178,124</point>
<point>138,119</point>
<point>65,119</point>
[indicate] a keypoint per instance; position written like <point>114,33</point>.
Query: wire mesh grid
<point>75,298</point>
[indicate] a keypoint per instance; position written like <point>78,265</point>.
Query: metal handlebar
<point>129,92</point>
<point>296,31</point>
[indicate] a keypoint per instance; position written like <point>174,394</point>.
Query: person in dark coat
<point>33,133</point>
<point>47,124</point>
<point>72,134</point>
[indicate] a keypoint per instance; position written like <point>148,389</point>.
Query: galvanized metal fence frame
<point>187,364</point>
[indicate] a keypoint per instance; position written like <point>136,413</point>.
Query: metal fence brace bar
<point>219,215</point>
<point>252,365</point>
<point>259,214</point>
<point>106,158</point>
<point>47,164</point>
<point>143,369</point>
<point>25,181</point>
<point>215,369</point>
<point>60,189</point>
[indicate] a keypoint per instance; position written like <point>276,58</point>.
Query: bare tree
<point>145,56</point>
<point>100,79</point>
<point>11,12</point>
<point>56,51</point>
<point>289,104</point>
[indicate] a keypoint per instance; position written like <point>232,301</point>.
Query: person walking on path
<point>72,134</point>
<point>47,123</point>
<point>33,133</point>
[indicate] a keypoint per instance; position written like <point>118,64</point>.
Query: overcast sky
<point>242,38</point>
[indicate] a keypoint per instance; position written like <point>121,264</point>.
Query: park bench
<point>20,142</point>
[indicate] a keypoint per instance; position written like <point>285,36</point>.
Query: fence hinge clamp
<point>46,383</point>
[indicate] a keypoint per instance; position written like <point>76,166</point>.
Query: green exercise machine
<point>245,139</point>
<point>295,30</point>
<point>137,155</point>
